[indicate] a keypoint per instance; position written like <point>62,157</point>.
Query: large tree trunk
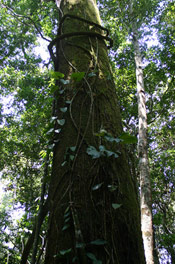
<point>85,191</point>
<point>145,185</point>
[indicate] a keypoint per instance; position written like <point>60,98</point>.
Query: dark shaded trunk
<point>85,223</point>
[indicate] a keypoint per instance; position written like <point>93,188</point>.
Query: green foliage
<point>102,152</point>
<point>93,258</point>
<point>56,75</point>
<point>126,138</point>
<point>98,242</point>
<point>116,206</point>
<point>61,122</point>
<point>97,186</point>
<point>77,76</point>
<point>107,136</point>
<point>23,140</point>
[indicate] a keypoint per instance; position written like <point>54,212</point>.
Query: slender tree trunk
<point>155,251</point>
<point>145,186</point>
<point>94,213</point>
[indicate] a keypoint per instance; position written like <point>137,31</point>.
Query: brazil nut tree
<point>93,207</point>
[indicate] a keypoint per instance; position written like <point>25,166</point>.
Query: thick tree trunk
<point>145,186</point>
<point>85,223</point>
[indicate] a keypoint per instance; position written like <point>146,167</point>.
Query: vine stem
<point>39,219</point>
<point>13,13</point>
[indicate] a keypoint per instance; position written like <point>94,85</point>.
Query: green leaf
<point>64,163</point>
<point>56,140</point>
<point>170,151</point>
<point>67,213</point>
<point>116,206</point>
<point>51,146</point>
<point>93,152</point>
<point>42,153</point>
<point>77,76</point>
<point>67,220</point>
<point>65,252</point>
<point>110,153</point>
<point>102,148</point>
<point>74,259</point>
<point>91,74</point>
<point>102,133</point>
<point>64,81</point>
<point>53,87</point>
<point>80,245</point>
<point>56,75</point>
<point>72,157</point>
<point>97,186</point>
<point>73,148</point>
<point>98,242</point>
<point>127,138</point>
<point>112,188</point>
<point>107,136</point>
<point>65,227</point>
<point>61,91</point>
<point>57,130</point>
<point>105,152</point>
<point>97,261</point>
<point>67,210</point>
<point>50,131</point>
<point>91,256</point>
<point>53,118</point>
<point>63,109</point>
<point>112,139</point>
<point>61,122</point>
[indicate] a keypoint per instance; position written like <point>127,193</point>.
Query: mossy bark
<point>79,213</point>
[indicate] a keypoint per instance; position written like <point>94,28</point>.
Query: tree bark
<point>94,213</point>
<point>145,185</point>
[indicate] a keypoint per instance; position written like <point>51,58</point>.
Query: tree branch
<point>14,14</point>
